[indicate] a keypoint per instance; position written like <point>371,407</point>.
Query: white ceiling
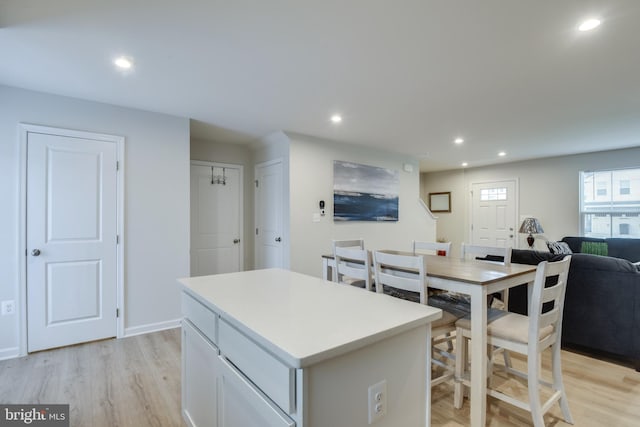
<point>408,75</point>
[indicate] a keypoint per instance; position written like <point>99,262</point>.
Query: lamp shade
<point>531,226</point>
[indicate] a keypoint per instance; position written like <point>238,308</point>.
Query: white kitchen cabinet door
<point>241,405</point>
<point>200,365</point>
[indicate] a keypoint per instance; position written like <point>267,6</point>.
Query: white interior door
<point>71,236</point>
<point>216,218</point>
<point>269,221</point>
<point>493,213</point>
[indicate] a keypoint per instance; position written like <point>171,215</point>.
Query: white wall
<point>548,190</point>
<point>311,180</point>
<point>237,154</point>
<point>156,201</point>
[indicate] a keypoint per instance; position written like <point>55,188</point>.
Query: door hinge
<point>256,181</point>
<point>256,231</point>
<point>117,312</point>
<point>117,239</point>
<point>118,166</point>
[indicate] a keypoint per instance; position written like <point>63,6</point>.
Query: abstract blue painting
<point>364,193</point>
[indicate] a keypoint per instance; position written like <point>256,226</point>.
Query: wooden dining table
<point>477,279</point>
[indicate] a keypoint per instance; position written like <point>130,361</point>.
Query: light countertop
<point>301,319</point>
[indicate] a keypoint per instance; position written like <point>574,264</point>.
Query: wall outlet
<point>377,401</point>
<point>8,307</point>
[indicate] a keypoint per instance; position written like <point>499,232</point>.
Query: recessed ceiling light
<point>123,63</point>
<point>589,24</point>
<point>458,140</point>
<point>465,164</point>
<point>336,118</point>
<point>502,154</point>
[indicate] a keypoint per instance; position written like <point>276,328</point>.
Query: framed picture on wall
<point>440,202</point>
<point>364,193</point>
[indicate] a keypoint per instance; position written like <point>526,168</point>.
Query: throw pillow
<point>559,248</point>
<point>595,248</point>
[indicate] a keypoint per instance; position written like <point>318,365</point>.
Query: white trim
<point>23,130</point>
<point>9,353</point>
<point>120,198</point>
<point>241,185</point>
<point>152,327</point>
<point>426,208</point>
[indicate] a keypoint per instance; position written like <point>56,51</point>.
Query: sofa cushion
<point>524,256</point>
<point>628,249</point>
<point>575,243</point>
<point>588,262</point>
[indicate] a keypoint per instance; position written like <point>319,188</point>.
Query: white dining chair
<point>435,248</point>
<point>530,336</point>
<point>431,247</point>
<point>353,267</point>
<point>479,252</point>
<point>352,243</point>
<point>409,273</point>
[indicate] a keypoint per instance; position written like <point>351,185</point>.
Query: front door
<point>71,237</point>
<point>269,221</point>
<point>216,218</point>
<point>493,217</point>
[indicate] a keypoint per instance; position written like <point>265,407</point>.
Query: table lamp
<point>531,226</point>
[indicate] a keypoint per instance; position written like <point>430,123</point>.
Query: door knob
<point>35,252</point>
<point>236,240</point>
<point>278,239</point>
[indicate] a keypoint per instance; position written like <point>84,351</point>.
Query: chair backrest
<point>431,247</point>
<point>483,251</point>
<point>543,294</point>
<point>355,243</point>
<point>406,272</point>
<point>352,264</point>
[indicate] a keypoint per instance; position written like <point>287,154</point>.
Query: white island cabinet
<point>273,348</point>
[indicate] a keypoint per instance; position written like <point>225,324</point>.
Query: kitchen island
<point>278,348</point>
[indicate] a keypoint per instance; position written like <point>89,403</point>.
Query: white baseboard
<point>9,353</point>
<point>151,327</point>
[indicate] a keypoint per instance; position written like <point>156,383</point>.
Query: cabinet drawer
<point>201,317</point>
<point>273,377</point>
<point>241,404</point>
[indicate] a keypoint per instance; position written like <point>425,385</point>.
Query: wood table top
<point>469,271</point>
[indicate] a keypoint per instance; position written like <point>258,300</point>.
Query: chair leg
<point>534,393</point>
<point>558,384</point>
<point>461,361</point>
<point>449,342</point>
<point>506,357</point>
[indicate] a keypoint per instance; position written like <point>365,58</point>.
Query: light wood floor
<point>136,382</point>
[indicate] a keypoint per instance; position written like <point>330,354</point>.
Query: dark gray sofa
<point>602,305</point>
<point>628,249</point>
